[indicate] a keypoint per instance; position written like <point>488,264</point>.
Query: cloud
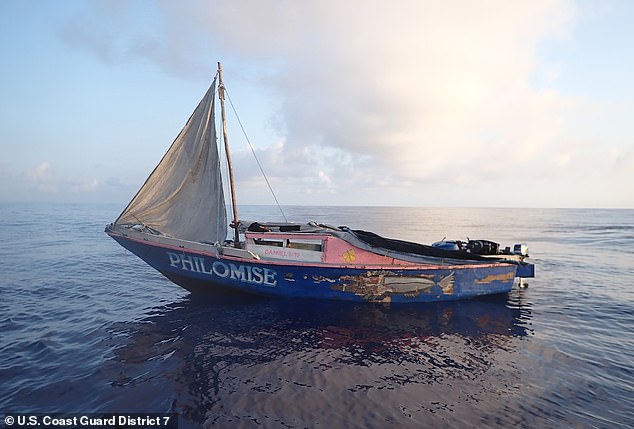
<point>419,92</point>
<point>89,186</point>
<point>374,96</point>
<point>45,179</point>
<point>41,173</point>
<point>126,31</point>
<point>42,178</point>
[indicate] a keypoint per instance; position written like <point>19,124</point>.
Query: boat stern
<point>525,270</point>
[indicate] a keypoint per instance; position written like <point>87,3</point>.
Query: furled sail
<point>183,196</point>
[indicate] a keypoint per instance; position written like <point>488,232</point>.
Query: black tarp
<point>376,240</point>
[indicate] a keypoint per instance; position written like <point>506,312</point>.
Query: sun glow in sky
<point>406,103</point>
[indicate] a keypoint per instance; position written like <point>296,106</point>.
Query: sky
<point>371,103</point>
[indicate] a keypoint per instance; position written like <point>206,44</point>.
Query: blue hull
<point>197,271</point>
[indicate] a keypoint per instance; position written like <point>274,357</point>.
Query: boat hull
<point>198,271</point>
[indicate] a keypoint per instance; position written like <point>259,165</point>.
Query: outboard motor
<point>520,249</point>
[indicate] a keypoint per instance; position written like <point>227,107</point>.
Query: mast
<point>221,95</point>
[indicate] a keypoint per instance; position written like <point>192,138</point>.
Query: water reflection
<point>232,360</point>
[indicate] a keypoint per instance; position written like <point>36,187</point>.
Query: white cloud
<point>89,186</point>
<point>44,179</point>
<point>41,172</point>
<point>385,98</point>
<point>409,91</point>
<point>324,178</point>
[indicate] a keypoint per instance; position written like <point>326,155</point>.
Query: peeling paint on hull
<point>198,271</point>
<point>496,277</point>
<point>381,286</point>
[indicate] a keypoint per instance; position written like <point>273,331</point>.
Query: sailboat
<point>177,223</point>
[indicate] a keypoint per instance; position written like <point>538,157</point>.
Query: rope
<point>254,155</point>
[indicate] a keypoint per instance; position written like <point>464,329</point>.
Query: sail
<point>183,196</point>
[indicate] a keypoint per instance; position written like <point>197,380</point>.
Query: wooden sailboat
<point>177,223</point>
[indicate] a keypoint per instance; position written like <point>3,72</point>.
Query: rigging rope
<point>254,155</point>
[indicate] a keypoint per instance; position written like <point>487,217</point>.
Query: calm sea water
<point>87,327</point>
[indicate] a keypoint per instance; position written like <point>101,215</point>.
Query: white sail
<point>183,196</point>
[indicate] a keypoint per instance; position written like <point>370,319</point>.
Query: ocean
<point>86,327</point>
